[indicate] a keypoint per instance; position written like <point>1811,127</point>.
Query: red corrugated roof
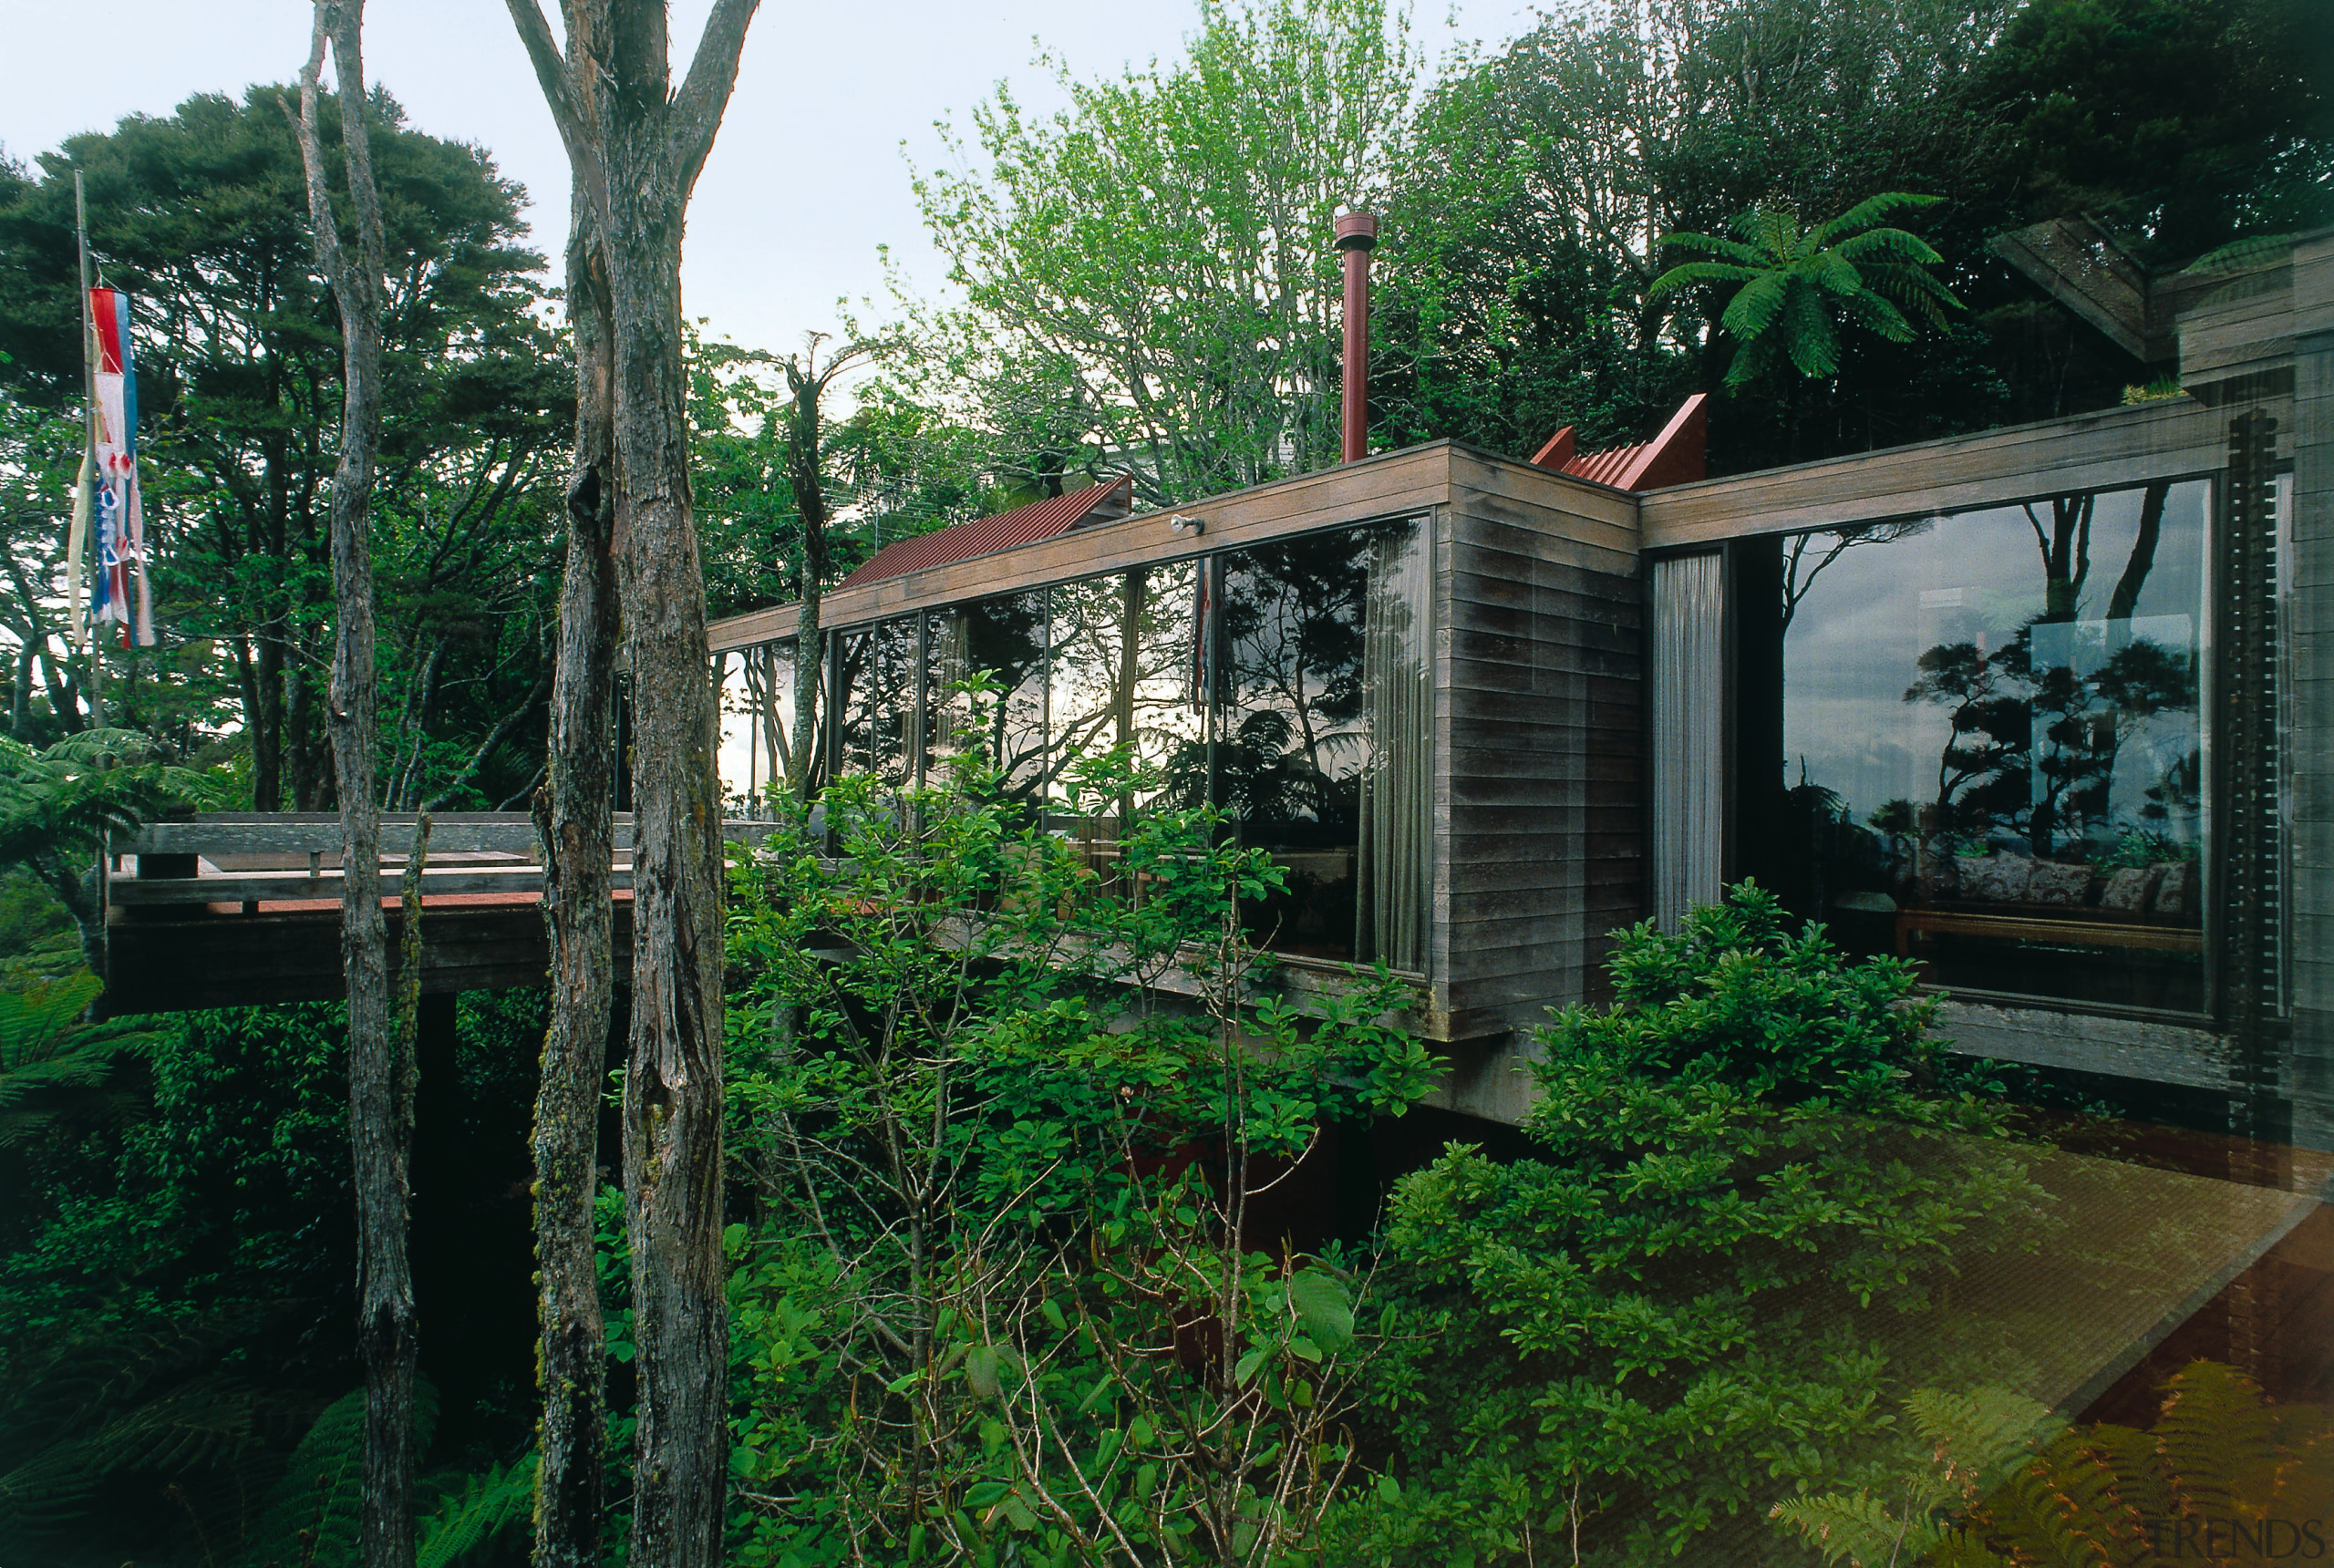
<point>1678,456</point>
<point>1047,519</point>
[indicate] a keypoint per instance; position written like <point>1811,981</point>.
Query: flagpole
<point>89,428</point>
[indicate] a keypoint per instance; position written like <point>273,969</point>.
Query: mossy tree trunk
<point>637,146</point>
<point>574,816</point>
<point>380,1063</point>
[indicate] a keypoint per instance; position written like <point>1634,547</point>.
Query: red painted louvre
<point>1678,456</point>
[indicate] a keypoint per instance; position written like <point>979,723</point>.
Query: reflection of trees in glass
<point>1291,634</point>
<point>1006,637</point>
<point>1982,778</point>
<point>2034,746</point>
<point>1802,563</point>
<point>2038,727</point>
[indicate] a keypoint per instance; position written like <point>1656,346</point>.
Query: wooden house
<point>2045,709</point>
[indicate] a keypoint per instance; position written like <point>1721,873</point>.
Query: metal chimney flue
<point>1357,232</point>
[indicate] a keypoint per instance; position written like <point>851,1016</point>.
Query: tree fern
<point>312,1516</point>
<point>1794,283</point>
<point>54,1067</point>
<point>488,1508</point>
<point>2005,1487</point>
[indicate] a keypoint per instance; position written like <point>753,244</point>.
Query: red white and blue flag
<point>117,512</point>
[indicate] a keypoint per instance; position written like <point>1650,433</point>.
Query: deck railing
<point>249,857</point>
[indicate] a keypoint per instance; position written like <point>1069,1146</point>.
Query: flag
<point>117,512</point>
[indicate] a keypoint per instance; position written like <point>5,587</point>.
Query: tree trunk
<point>637,146</point>
<point>808,668</point>
<point>672,1100</point>
<point>574,813</point>
<point>380,1070</point>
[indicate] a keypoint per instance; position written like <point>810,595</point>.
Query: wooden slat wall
<point>1539,809</point>
<point>2310,643</point>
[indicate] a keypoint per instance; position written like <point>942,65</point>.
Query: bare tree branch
<point>705,95</point>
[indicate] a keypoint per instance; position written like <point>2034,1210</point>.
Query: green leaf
<point>1324,1305</point>
<point>980,1371</point>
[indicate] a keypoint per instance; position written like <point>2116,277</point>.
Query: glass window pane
<point>1169,715</point>
<point>853,683</point>
<point>757,726</point>
<point>1291,741</point>
<point>1992,743</point>
<point>1005,637</point>
<point>891,701</point>
<point>1091,673</point>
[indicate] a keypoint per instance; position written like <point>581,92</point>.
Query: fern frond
<point>312,1515</point>
<point>1755,306</point>
<point>488,1508</point>
<point>1808,337</point>
<point>1876,315</point>
<point>1734,251</point>
<point>1860,1529</point>
<point>1887,245</point>
<point>1868,212</point>
<point>1678,277</point>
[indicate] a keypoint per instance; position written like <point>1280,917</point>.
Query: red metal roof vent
<point>1679,455</point>
<point>1048,519</point>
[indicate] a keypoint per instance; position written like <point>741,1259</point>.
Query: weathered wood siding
<point>2310,648</point>
<point>1539,738</point>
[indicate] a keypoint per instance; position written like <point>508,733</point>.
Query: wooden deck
<point>235,909</point>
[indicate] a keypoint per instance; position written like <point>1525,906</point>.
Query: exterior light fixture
<point>1183,522</point>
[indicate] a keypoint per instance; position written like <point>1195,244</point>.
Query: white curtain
<point>1687,697</point>
<point>1397,787</point>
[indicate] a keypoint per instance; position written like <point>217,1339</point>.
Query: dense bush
<point>1011,1114</point>
<point>1751,1171</point>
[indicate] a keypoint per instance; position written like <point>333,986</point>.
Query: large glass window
<point>1324,732</point>
<point>1991,742</point>
<point>757,749</point>
<point>1317,743</point>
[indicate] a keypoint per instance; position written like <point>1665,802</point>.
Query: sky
<point>810,175</point>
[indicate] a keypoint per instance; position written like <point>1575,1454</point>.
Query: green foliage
<point>313,1514</point>
<point>2185,124</point>
<point>200,216</point>
<point>52,1066</point>
<point>1010,1296</point>
<point>1795,282</point>
<point>1749,1178</point>
<point>488,1510</point>
<point>2223,1475</point>
<point>1150,274</point>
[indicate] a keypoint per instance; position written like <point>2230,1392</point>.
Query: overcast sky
<point>809,176</point>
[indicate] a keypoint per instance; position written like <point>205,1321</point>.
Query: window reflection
<point>757,751</point>
<point>1992,745</point>
<point>1316,744</point>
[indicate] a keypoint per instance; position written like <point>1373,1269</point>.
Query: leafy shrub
<point>1006,1110</point>
<point>1747,1165</point>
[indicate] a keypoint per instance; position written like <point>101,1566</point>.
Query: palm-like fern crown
<point>1793,282</point>
<point>64,800</point>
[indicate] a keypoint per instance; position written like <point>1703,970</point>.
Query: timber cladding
<point>1539,742</point>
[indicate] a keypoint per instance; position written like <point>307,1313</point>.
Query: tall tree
<point>1152,272</point>
<point>380,1070</point>
<point>807,381</point>
<point>199,215</point>
<point>637,146</point>
<point>574,816</point>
